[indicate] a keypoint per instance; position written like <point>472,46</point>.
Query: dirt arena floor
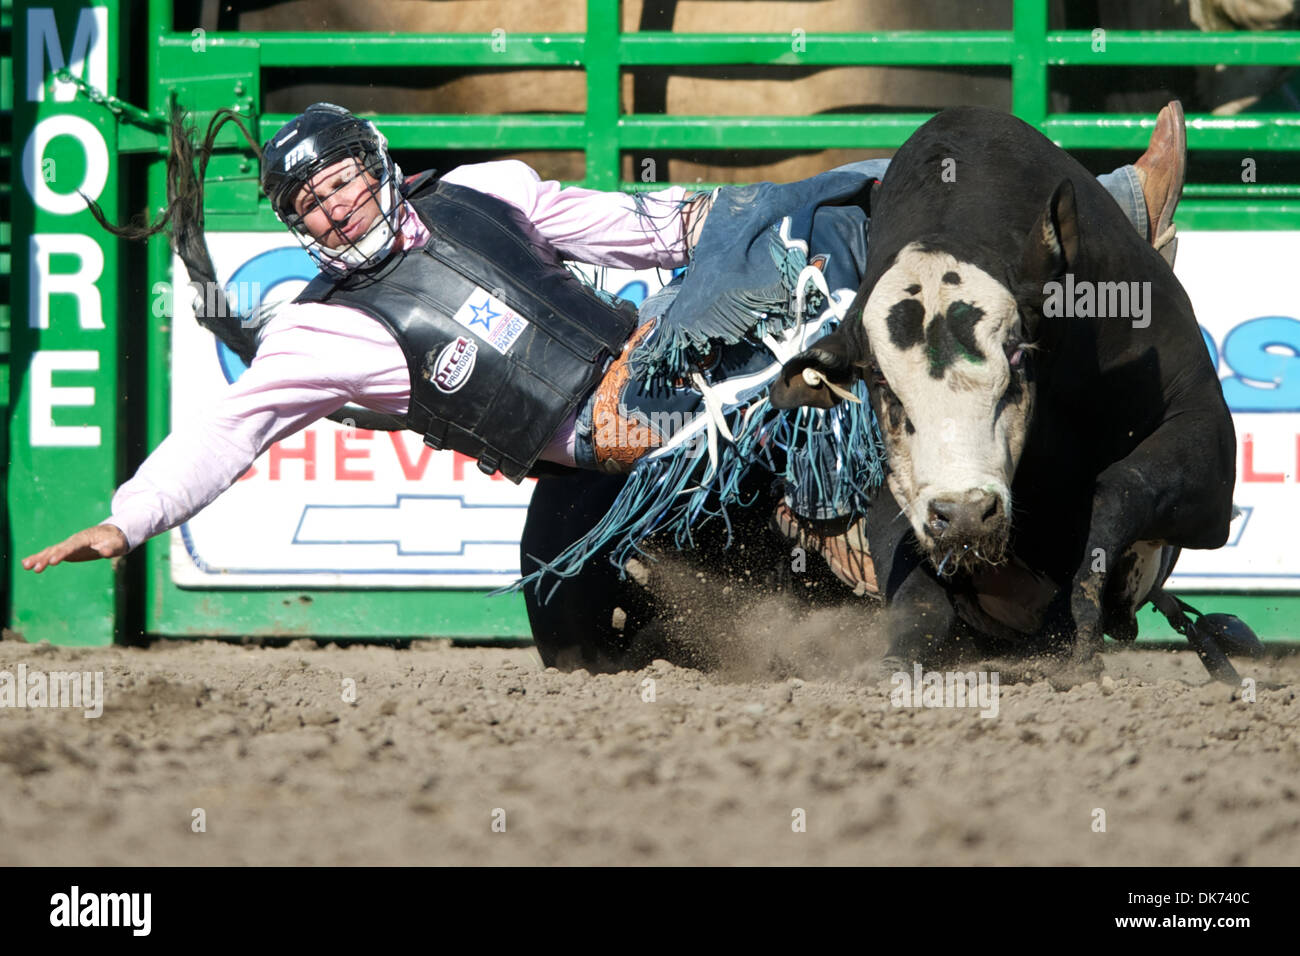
<point>457,755</point>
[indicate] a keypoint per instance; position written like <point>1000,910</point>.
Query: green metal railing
<point>1027,50</point>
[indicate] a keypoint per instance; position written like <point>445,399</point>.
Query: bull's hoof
<point>1232,635</point>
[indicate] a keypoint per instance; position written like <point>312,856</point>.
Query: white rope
<point>792,342</point>
<point>814,275</point>
<point>717,421</point>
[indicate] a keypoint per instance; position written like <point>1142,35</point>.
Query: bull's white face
<point>952,396</point>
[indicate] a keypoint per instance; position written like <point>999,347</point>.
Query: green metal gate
<point>54,489</point>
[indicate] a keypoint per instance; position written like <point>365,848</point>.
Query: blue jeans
<point>1124,188</point>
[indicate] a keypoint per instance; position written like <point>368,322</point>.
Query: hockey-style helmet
<point>319,137</point>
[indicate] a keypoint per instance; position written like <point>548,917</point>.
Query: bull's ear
<point>820,377</point>
<point>1052,247</point>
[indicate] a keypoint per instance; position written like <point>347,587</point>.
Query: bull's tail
<point>1212,636</point>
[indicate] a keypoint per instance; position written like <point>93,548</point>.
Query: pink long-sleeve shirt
<point>315,358</point>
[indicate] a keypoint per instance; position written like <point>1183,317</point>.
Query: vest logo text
<point>455,365</point>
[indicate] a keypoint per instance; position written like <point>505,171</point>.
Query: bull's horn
<point>817,379</point>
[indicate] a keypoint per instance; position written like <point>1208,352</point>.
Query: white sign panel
<point>1242,287</point>
<point>337,507</point>
<point>350,508</point>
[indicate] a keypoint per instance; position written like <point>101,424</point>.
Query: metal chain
<point>119,108</point>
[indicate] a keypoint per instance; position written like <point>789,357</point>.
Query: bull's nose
<point>965,516</point>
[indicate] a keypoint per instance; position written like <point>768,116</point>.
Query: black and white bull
<point>1049,455</point>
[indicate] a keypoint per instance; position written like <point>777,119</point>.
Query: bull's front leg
<point>1175,488</point>
<point>919,614</point>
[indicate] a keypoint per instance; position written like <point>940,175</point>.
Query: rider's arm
<point>603,228</point>
<point>313,359</point>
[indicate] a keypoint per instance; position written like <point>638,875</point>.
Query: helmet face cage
<point>349,139</point>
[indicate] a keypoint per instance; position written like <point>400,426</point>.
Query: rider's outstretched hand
<point>101,541</point>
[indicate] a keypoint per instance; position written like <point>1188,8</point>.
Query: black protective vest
<point>492,386</point>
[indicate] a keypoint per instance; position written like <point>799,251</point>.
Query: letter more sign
<point>66,344</point>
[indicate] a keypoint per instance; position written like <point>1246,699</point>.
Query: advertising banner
<point>1240,285</point>
<point>333,506</point>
